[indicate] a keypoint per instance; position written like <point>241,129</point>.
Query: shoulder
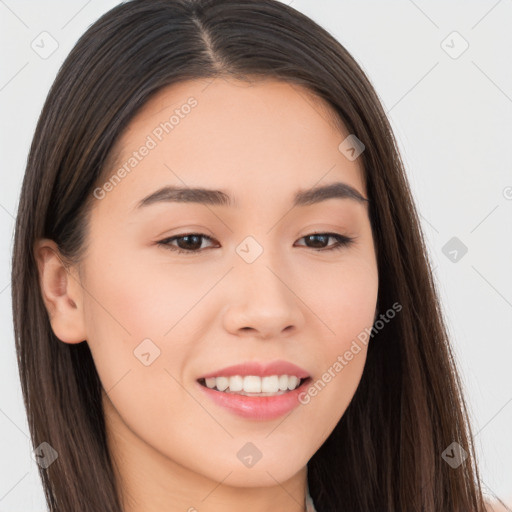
<point>495,507</point>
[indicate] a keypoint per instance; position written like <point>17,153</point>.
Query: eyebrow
<point>337,190</point>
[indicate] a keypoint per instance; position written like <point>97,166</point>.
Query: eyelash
<point>341,242</point>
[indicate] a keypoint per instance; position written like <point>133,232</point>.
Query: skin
<point>174,448</point>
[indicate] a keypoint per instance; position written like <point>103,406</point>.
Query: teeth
<point>254,384</point>
<point>236,383</point>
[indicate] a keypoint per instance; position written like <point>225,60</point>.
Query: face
<point>260,280</point>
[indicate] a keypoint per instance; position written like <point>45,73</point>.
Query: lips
<point>260,369</point>
<point>256,408</point>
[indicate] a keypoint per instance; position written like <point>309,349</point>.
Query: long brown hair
<point>385,454</point>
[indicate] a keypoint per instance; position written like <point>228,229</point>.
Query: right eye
<point>188,243</point>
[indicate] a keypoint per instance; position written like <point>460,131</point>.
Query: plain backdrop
<point>442,70</point>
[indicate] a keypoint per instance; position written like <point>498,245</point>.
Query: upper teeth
<point>254,383</point>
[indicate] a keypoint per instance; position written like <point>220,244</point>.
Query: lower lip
<point>257,407</point>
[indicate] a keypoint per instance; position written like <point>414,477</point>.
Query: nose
<point>264,302</point>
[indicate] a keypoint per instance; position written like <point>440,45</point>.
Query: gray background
<point>452,116</point>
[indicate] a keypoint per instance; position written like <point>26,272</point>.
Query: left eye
<point>190,243</point>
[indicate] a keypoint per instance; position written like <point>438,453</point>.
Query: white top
<point>310,506</point>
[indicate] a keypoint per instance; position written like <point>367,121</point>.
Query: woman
<point>217,247</point>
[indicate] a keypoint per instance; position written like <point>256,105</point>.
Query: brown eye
<point>189,243</point>
<point>319,241</point>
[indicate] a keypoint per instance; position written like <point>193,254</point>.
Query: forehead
<point>254,94</point>
<point>224,133</point>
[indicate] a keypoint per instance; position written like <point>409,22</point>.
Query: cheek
<point>343,297</point>
<point>121,311</point>
<point>148,296</point>
<point>128,301</point>
<point>138,319</point>
<point>128,310</point>
<point>344,302</point>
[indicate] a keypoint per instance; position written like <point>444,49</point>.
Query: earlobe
<point>61,292</point>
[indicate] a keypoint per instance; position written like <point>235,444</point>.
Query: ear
<point>61,291</point>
